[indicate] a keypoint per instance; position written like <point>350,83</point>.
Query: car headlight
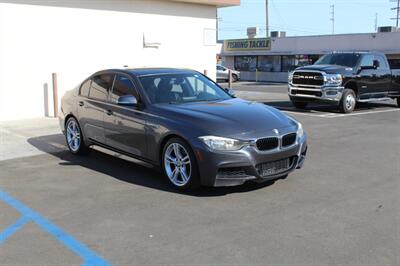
<point>333,79</point>
<point>222,144</point>
<point>300,131</point>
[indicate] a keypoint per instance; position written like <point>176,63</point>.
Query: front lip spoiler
<point>297,164</point>
<point>336,95</point>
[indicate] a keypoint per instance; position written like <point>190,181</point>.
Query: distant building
<point>77,38</point>
<point>275,57</point>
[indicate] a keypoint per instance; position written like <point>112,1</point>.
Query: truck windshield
<point>348,60</point>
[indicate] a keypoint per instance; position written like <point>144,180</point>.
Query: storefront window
<point>246,63</point>
<point>288,63</point>
<point>269,63</point>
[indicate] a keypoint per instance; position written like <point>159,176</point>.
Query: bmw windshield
<point>181,88</point>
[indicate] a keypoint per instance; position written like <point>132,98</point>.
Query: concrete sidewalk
<point>15,137</point>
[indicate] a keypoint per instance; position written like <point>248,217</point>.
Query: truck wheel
<point>299,105</point>
<point>348,101</point>
<point>398,102</point>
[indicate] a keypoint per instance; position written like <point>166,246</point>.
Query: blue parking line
<point>13,228</point>
<point>88,256</point>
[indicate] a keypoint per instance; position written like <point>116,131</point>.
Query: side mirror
<point>230,92</point>
<point>376,64</point>
<point>127,100</point>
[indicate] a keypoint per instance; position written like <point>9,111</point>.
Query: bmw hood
<point>235,118</point>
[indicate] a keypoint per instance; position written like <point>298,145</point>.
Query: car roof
<point>141,72</point>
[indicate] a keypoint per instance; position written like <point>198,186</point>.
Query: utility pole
<point>376,22</point>
<point>333,18</point>
<point>397,12</point>
<point>267,18</point>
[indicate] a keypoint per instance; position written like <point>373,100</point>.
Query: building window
<point>246,63</point>
<point>288,63</point>
<point>269,63</point>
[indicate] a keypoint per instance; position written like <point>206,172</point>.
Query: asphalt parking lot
<point>342,208</point>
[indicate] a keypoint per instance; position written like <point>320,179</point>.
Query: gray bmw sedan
<point>182,122</point>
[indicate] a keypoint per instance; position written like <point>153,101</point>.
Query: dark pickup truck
<point>344,79</point>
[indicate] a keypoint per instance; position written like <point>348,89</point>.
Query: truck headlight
<point>333,79</point>
<point>222,144</point>
<point>291,77</point>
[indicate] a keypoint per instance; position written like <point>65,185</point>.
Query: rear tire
<point>74,137</point>
<point>398,102</point>
<point>299,105</point>
<point>235,78</point>
<point>348,102</point>
<point>179,165</point>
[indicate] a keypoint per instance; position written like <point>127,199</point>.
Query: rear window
<point>101,85</point>
<point>84,91</point>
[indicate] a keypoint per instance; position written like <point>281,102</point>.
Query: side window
<point>122,86</point>
<point>101,84</point>
<point>85,87</point>
<point>367,60</point>
<point>382,63</point>
<point>220,68</point>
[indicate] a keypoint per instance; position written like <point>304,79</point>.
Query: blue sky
<point>305,17</point>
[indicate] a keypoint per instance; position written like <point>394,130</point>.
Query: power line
<point>397,12</point>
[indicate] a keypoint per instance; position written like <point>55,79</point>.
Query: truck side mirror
<point>376,64</point>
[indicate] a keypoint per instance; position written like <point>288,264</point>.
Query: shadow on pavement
<point>326,108</point>
<point>137,172</point>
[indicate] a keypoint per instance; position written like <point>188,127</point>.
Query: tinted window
<point>122,86</point>
<point>182,88</point>
<point>246,63</point>
<point>85,88</point>
<point>101,84</point>
<point>382,62</point>
<point>220,68</point>
<point>348,60</point>
<point>367,60</point>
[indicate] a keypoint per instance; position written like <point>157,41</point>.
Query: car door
<point>91,109</point>
<point>367,77</point>
<point>383,75</point>
<point>125,125</point>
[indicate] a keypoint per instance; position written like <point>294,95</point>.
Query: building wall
<point>76,38</point>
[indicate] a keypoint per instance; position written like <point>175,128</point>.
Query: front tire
<point>348,102</point>
<point>179,165</point>
<point>74,137</point>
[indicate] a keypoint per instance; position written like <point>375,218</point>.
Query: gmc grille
<point>308,78</point>
<point>289,139</point>
<point>267,144</point>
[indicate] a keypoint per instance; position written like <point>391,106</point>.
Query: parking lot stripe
<point>13,228</point>
<point>359,113</point>
<point>88,256</point>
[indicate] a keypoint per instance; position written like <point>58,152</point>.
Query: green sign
<point>248,44</point>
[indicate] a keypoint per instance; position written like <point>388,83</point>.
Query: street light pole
<point>267,17</point>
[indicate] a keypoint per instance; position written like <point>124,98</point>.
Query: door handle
<point>109,112</point>
<point>81,103</point>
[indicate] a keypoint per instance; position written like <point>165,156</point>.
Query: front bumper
<point>327,94</point>
<point>245,164</point>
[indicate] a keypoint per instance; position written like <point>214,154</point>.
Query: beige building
<point>274,58</point>
<point>75,38</point>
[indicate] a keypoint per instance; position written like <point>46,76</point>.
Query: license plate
<point>273,168</point>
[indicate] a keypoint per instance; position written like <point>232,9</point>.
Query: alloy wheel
<point>73,135</point>
<point>350,102</point>
<point>177,164</point>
